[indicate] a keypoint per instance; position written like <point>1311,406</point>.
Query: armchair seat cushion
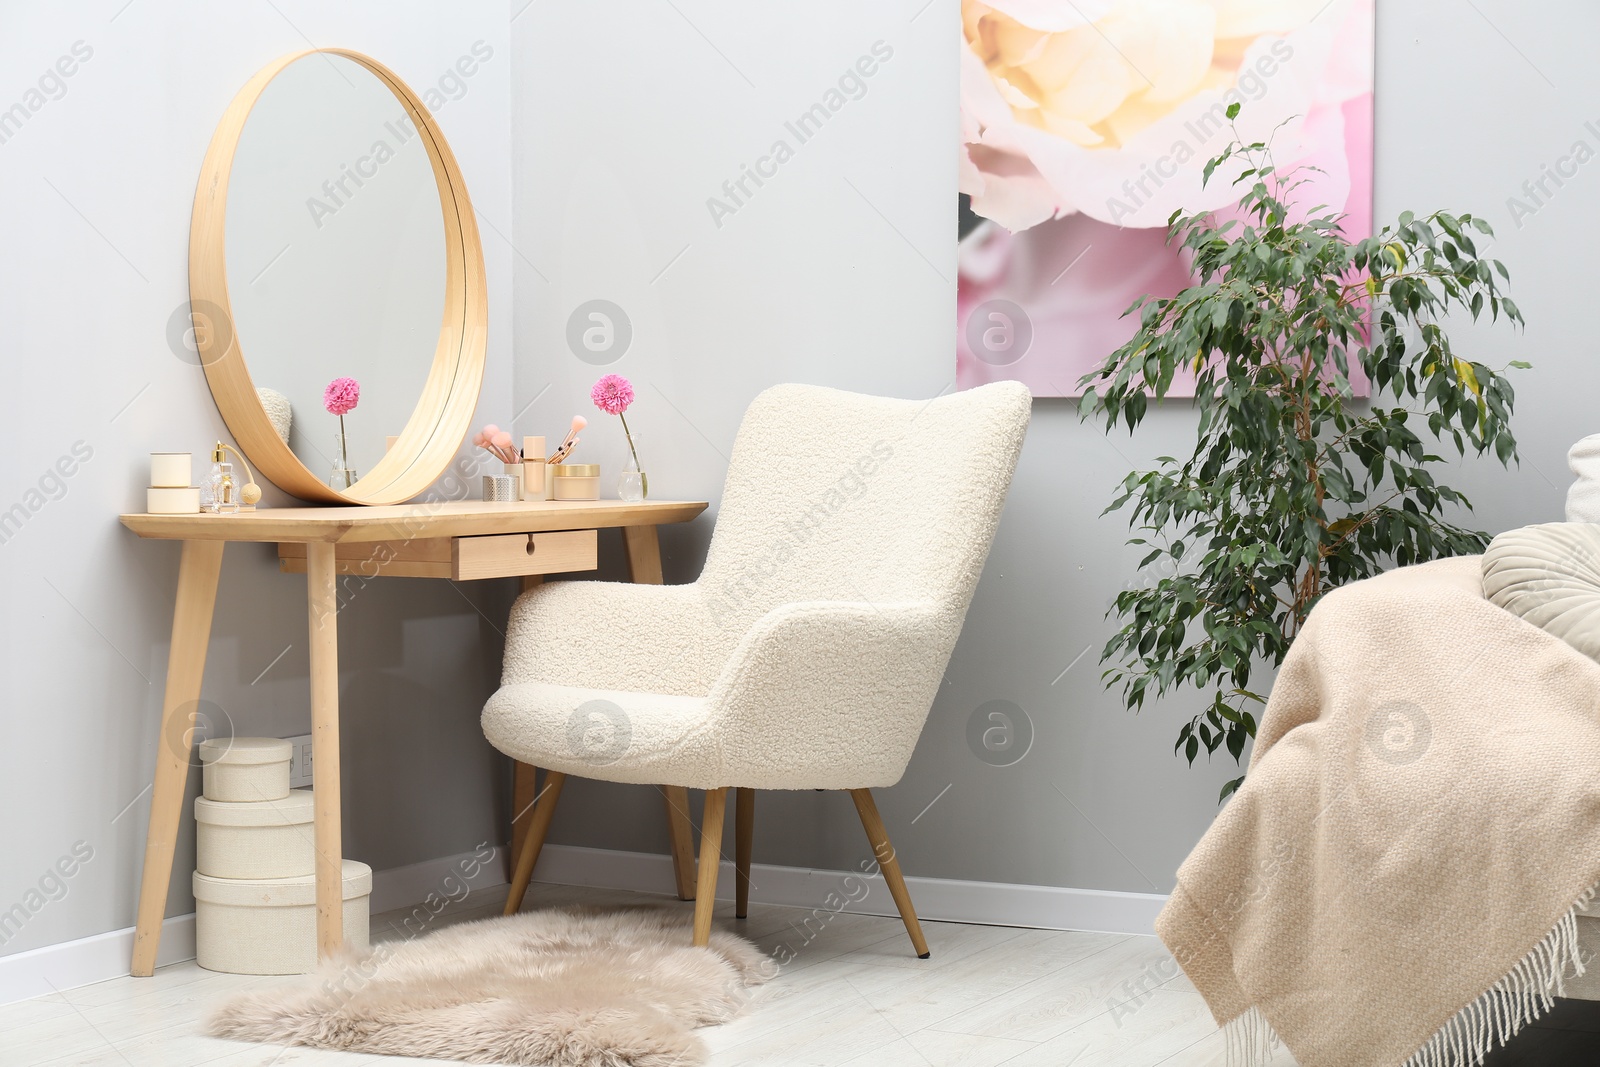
<point>617,735</point>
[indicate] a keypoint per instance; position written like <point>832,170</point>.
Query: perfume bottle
<point>208,488</point>
<point>224,490</point>
<point>227,491</point>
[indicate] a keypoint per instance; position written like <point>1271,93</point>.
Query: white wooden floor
<point>853,995</point>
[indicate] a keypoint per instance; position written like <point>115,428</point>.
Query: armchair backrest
<point>833,495</point>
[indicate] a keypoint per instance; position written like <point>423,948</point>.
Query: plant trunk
<point>1311,582</point>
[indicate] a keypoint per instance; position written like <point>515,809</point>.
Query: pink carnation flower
<point>341,395</point>
<point>612,394</point>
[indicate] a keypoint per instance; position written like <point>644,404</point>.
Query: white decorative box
<point>269,925</point>
<point>238,769</point>
<point>266,839</point>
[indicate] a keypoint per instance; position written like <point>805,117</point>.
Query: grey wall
<point>625,118</point>
<point>839,271</point>
<point>93,263</point>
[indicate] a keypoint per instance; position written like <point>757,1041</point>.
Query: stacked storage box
<point>255,864</point>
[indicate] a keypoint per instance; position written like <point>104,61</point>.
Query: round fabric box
<point>264,839</point>
<point>245,768</point>
<point>269,926</point>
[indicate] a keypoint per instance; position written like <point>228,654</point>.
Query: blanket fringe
<point>1249,1040</point>
<point>1526,992</point>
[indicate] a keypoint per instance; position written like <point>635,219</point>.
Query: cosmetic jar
<point>575,481</point>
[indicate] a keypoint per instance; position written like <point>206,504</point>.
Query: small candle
<point>171,470</point>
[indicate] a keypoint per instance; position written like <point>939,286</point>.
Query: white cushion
<point>1550,576</point>
<point>1583,498</point>
<point>613,734</point>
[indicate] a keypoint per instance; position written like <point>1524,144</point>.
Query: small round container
<point>267,839</point>
<point>269,925</point>
<point>575,481</point>
<point>172,500</point>
<point>501,488</point>
<point>239,769</point>
<point>171,470</point>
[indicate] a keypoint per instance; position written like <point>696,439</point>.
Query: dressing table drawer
<point>509,555</point>
<point>458,558</point>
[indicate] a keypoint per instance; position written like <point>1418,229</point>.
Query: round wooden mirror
<point>332,237</point>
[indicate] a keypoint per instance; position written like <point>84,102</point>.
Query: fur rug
<point>562,988</point>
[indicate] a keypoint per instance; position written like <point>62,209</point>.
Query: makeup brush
<point>497,442</point>
<point>570,442</point>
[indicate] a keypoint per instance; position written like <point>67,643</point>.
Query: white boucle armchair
<point>850,537</point>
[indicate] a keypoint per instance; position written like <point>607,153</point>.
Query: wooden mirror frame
<point>443,414</point>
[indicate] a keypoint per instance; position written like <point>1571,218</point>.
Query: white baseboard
<point>40,971</point>
<point>940,899</point>
<point>399,887</point>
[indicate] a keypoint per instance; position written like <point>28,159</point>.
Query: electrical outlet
<point>300,761</point>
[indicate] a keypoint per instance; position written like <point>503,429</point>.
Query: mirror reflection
<point>336,261</point>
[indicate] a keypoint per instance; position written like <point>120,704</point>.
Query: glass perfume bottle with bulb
<point>220,493</point>
<point>208,488</point>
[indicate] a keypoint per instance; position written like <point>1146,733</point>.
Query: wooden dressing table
<point>456,540</point>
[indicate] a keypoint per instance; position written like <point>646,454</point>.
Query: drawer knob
<point>531,545</point>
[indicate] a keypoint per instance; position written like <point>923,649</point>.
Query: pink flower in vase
<point>612,394</point>
<point>341,395</point>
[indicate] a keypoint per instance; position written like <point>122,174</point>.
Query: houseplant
<point>1294,485</point>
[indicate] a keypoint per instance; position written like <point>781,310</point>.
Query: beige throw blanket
<point>1396,880</point>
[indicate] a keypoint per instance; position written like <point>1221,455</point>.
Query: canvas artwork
<point>1086,123</point>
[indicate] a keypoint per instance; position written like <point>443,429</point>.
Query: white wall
<point>625,117</point>
<point>93,263</point>
<point>840,270</point>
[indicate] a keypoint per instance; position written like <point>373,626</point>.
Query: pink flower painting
<point>1086,123</point>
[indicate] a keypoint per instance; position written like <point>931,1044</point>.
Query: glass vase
<point>343,475</point>
<point>632,485</point>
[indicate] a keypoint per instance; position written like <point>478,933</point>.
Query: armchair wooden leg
<point>538,826</point>
<point>705,898</point>
<point>680,829</point>
<point>524,791</point>
<point>883,851</point>
<point>744,828</point>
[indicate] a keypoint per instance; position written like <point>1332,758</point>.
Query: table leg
<point>644,563</point>
<point>524,782</point>
<point>322,609</point>
<point>186,664</point>
<point>644,554</point>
